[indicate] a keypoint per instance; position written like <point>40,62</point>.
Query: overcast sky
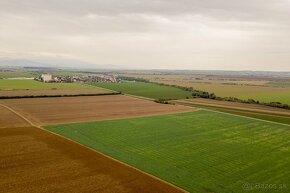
<point>172,34</point>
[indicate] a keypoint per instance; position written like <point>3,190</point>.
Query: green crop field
<point>199,151</point>
<point>36,85</point>
<point>148,90</point>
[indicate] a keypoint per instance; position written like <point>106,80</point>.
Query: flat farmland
<point>33,160</point>
<point>36,85</point>
<point>148,90</point>
<point>52,111</point>
<point>14,93</point>
<point>261,93</point>
<point>260,90</point>
<point>199,151</point>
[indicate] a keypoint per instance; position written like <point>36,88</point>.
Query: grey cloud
<point>193,33</point>
<point>217,8</point>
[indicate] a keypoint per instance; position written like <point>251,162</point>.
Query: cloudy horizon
<point>147,34</point>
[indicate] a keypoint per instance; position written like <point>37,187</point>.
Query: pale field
<point>261,91</point>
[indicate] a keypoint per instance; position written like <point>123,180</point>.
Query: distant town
<point>69,79</point>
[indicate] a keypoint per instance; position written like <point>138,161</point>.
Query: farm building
<point>46,77</point>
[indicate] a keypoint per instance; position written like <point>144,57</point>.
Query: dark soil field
<point>33,160</point>
<point>52,111</point>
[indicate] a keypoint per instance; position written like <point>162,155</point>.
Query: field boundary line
<point>56,96</point>
<point>18,114</point>
<point>242,116</point>
<point>94,150</point>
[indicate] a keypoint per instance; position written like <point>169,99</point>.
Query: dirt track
<point>238,106</point>
<point>50,111</point>
<point>8,119</point>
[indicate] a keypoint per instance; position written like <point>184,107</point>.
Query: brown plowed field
<point>13,93</point>
<point>51,111</point>
<point>32,160</point>
<point>8,119</point>
<point>236,105</point>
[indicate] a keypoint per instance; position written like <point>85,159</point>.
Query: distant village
<point>69,79</point>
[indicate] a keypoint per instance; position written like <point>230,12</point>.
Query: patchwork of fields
<point>250,89</point>
<point>148,90</point>
<point>199,151</point>
<point>196,150</point>
<point>33,160</point>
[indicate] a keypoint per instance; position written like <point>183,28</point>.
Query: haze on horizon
<point>163,34</point>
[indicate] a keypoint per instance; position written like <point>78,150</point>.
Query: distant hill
<point>54,63</point>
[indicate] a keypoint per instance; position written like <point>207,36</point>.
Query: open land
<point>199,151</point>
<point>51,111</point>
<point>36,85</point>
<point>148,90</point>
<point>242,88</point>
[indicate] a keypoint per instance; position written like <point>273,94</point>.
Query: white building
<point>46,77</point>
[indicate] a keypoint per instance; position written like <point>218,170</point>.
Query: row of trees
<point>58,95</point>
